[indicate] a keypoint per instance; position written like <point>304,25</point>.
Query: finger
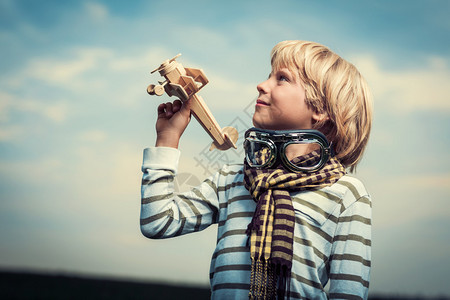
<point>161,109</point>
<point>186,108</point>
<point>177,104</point>
<point>169,109</point>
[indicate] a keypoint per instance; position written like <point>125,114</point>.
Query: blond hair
<point>335,88</point>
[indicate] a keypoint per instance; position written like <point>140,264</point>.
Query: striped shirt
<point>332,236</point>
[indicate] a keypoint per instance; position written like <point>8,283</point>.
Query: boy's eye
<point>282,78</point>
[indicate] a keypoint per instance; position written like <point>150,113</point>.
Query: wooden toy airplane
<point>184,83</point>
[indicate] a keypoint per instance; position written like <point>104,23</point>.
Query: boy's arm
<point>164,213</point>
<point>350,259</point>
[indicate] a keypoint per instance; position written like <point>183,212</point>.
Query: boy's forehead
<point>292,70</point>
<point>278,65</point>
<point>280,62</point>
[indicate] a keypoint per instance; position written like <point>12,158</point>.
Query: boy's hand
<point>173,119</point>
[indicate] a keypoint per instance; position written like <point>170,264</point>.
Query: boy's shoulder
<point>349,189</point>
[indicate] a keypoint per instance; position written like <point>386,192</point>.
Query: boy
<point>284,231</point>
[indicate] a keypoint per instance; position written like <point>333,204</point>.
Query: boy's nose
<point>262,87</point>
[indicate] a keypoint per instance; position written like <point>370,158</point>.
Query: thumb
<point>186,108</point>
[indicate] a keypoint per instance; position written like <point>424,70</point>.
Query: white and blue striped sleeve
<point>350,259</point>
<point>165,213</point>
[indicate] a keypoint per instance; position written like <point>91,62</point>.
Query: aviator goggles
<point>297,150</point>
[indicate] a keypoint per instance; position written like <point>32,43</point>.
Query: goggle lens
<point>259,154</point>
<point>311,158</point>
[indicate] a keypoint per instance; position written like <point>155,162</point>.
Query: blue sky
<point>75,117</point>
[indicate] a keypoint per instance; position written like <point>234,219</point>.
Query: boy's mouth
<point>261,102</point>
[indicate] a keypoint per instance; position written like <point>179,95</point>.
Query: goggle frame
<point>278,140</point>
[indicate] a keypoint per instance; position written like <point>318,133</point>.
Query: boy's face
<point>281,103</point>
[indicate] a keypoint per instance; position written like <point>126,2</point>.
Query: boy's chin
<point>257,123</point>
<point>260,126</point>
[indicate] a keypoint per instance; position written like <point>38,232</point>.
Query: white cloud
<point>407,90</point>
<point>194,36</point>
<point>94,135</point>
<point>58,87</point>
<point>43,170</point>
<point>406,198</point>
<point>97,155</point>
<point>65,71</point>
<point>11,133</point>
<point>85,69</point>
<point>56,111</point>
<point>108,74</point>
<point>96,11</point>
<point>227,94</point>
<point>430,181</point>
<point>5,104</point>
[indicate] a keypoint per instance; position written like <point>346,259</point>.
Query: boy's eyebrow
<point>284,71</point>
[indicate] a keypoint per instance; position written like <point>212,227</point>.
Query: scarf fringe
<point>269,280</point>
<point>283,274</point>
<point>262,280</point>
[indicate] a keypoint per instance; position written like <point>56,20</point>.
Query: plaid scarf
<point>271,230</point>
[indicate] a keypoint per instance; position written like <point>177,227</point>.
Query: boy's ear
<point>320,117</point>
